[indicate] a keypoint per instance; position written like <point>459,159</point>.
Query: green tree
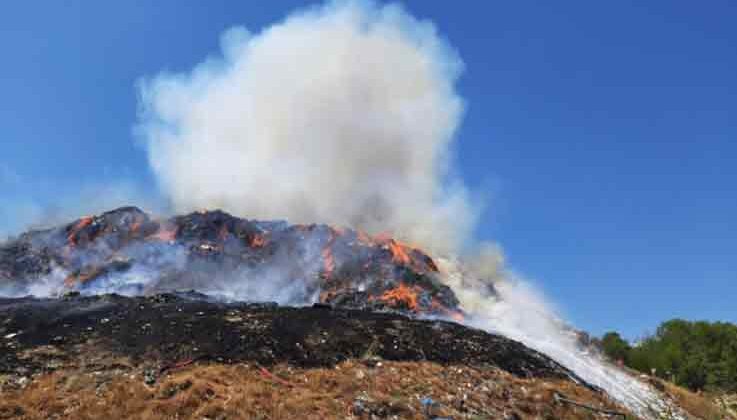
<point>615,347</point>
<point>698,355</point>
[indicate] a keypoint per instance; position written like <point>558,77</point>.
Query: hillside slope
<point>184,356</point>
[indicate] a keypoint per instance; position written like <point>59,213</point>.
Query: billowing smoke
<point>342,114</point>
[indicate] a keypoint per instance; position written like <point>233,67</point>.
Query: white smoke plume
<point>342,114</point>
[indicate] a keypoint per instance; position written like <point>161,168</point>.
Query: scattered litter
<point>149,377</point>
<point>268,375</point>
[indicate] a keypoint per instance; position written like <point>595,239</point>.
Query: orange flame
<point>136,226</point>
<point>81,224</point>
<point>81,277</point>
<point>400,252</point>
<point>257,241</point>
<point>451,313</point>
<point>402,294</point>
<point>328,260</point>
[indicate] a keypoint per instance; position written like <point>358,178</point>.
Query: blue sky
<point>605,133</point>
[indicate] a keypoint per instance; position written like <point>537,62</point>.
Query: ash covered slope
<point>170,328</point>
<point>127,251</point>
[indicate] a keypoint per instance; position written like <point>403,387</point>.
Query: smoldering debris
<point>129,252</point>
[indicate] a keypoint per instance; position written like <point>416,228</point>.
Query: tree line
<point>697,355</point>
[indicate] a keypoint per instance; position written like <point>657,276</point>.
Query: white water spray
<point>516,310</point>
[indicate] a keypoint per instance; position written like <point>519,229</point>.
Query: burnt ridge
<point>130,252</point>
<point>169,329</point>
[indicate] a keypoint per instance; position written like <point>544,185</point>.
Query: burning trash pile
<point>126,251</point>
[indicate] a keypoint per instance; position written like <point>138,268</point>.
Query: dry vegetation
<point>351,390</point>
<point>706,406</point>
<point>701,406</point>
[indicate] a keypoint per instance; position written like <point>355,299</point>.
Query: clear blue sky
<point>606,131</point>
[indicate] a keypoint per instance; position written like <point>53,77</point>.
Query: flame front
<point>81,277</point>
<point>453,314</point>
<point>402,295</point>
<point>328,260</point>
<point>81,224</point>
<point>399,252</point>
<point>257,241</point>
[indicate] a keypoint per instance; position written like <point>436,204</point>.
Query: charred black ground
<point>167,329</point>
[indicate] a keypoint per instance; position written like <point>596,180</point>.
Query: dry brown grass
<point>394,390</point>
<point>700,406</point>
